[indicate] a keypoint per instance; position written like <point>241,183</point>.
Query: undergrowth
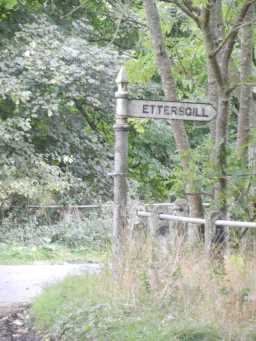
<point>93,308</point>
<point>179,295</point>
<point>70,236</point>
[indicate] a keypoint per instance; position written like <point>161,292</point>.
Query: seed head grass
<point>180,295</point>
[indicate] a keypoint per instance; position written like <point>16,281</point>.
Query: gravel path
<point>21,283</point>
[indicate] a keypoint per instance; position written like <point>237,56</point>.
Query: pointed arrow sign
<point>171,110</point>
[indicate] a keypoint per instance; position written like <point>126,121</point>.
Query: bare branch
<point>116,30</point>
<point>187,8</point>
<point>74,10</point>
<point>193,8</point>
<point>238,85</point>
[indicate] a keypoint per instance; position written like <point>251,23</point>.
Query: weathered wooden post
<point>140,109</point>
<point>215,236</point>
<point>153,223</point>
<point>120,173</point>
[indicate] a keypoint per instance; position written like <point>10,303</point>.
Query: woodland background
<point>58,63</point>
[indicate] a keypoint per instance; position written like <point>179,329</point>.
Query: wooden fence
<point>162,216</point>
<point>157,217</point>
<point>209,224</point>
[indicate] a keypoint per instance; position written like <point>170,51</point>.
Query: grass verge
<point>95,308</point>
<point>176,296</point>
<point>52,253</point>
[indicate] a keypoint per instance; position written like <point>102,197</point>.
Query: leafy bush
<point>67,228</point>
<point>94,230</point>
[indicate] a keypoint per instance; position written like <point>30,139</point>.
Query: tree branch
<point>238,85</point>
<point>209,41</point>
<point>192,7</point>
<point>187,8</point>
<point>74,10</point>
<point>222,44</point>
<point>202,19</point>
<point>234,31</point>
<point>205,17</point>
<point>116,30</point>
<point>169,87</point>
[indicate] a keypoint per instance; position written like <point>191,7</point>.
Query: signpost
<point>171,110</point>
<point>126,108</point>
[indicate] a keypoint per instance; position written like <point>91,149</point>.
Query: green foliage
<point>9,8</point>
<point>151,157</point>
<point>70,228</point>
<point>20,163</point>
<point>202,3</point>
<point>240,178</point>
<point>94,231</point>
<point>57,66</point>
<point>52,112</point>
<point>152,149</point>
<point>63,315</point>
<point>57,77</point>
<point>8,4</point>
<point>55,235</point>
<point>184,43</point>
<point>200,169</point>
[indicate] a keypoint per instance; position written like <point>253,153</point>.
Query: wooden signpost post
<point>126,108</point>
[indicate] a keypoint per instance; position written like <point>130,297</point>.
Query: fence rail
<point>69,206</point>
<point>230,223</point>
<point>171,217</point>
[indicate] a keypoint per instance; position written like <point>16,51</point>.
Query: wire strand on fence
<point>68,206</point>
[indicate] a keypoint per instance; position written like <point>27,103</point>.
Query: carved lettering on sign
<point>145,109</point>
<point>171,110</point>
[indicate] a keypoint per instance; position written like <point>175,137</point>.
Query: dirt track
<point>21,283</point>
<point>15,325</point>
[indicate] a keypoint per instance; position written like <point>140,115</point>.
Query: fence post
<point>215,238</point>
<point>120,173</point>
<point>209,230</point>
<point>138,231</point>
<point>153,223</point>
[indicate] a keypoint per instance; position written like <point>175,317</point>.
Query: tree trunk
<point>220,151</point>
<point>252,119</point>
<point>252,151</point>
<point>209,19</point>
<point>245,90</point>
<point>219,75</point>
<point>216,28</point>
<point>169,86</point>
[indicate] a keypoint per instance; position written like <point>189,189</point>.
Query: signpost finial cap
<point>122,77</point>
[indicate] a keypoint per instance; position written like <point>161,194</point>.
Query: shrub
<point>69,228</point>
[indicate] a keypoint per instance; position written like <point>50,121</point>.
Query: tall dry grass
<point>183,280</point>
